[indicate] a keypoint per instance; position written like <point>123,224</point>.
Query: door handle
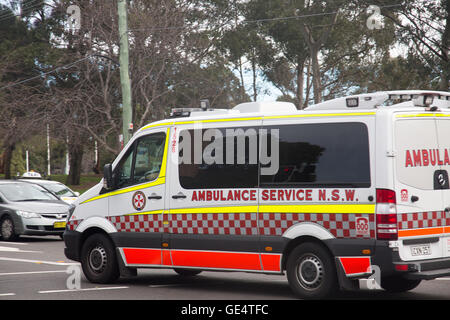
<point>154,196</point>
<point>178,196</point>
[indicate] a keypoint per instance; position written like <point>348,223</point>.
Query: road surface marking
<point>39,261</point>
<point>7,294</point>
<point>80,290</point>
<point>31,272</point>
<point>13,249</point>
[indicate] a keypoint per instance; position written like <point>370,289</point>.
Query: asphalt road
<point>35,268</point>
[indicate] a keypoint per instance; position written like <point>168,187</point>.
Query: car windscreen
<point>59,189</point>
<point>25,192</point>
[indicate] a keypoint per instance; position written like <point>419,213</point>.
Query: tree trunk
<point>445,73</point>
<point>76,159</point>
<point>316,75</point>
<point>300,80</point>
<point>7,156</point>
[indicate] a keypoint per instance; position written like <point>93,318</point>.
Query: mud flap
<point>345,283</point>
<point>124,270</point>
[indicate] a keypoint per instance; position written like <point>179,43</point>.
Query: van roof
<point>363,104</point>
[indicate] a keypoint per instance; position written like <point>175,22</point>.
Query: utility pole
<point>127,113</point>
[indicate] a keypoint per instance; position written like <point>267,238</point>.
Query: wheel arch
<point>302,233</point>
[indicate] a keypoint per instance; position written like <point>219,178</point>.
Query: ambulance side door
<point>137,204</point>
<point>212,217</point>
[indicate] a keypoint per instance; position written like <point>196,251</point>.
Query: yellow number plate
<point>59,225</point>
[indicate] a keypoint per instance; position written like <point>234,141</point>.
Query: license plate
<point>59,225</point>
<point>421,250</point>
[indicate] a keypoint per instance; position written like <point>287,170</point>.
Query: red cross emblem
<point>138,200</point>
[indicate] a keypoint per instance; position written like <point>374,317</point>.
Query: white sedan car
<point>59,189</point>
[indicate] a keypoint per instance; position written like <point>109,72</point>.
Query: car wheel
<point>98,259</point>
<point>311,272</point>
<point>7,230</point>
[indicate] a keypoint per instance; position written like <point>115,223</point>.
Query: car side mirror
<point>108,182</point>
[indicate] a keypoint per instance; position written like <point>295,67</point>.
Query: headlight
<point>27,214</point>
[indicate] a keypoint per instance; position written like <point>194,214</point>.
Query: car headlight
<point>27,214</point>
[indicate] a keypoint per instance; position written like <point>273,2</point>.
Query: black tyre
<point>99,260</point>
<point>311,272</point>
<point>397,284</point>
<point>7,229</point>
<point>187,272</point>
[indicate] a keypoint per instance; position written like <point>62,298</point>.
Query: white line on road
<point>80,290</point>
<point>31,272</point>
<point>55,263</point>
<point>13,249</point>
<point>7,294</point>
<point>14,243</point>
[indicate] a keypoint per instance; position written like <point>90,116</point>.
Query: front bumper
<point>72,240</point>
<point>40,226</point>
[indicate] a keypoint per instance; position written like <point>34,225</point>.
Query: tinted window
<point>322,155</point>
<point>218,158</point>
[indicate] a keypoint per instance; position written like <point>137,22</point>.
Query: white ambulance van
<point>352,188</point>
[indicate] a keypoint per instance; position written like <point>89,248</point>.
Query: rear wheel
<point>398,284</point>
<point>98,259</point>
<point>311,272</point>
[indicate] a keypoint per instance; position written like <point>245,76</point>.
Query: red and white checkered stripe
<point>73,224</point>
<point>213,223</point>
<point>422,220</point>
<point>273,224</point>
<point>340,225</point>
<point>138,223</point>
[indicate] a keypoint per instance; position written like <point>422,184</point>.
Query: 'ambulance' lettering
<point>427,157</point>
<point>286,195</point>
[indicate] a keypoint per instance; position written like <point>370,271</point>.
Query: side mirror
<point>108,182</point>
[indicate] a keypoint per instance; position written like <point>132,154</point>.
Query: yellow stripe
<point>314,208</point>
<point>164,161</point>
<point>157,182</point>
<point>145,212</point>
<point>149,126</point>
<point>321,115</point>
<point>219,120</point>
<point>260,118</point>
<point>422,115</point>
<point>318,208</point>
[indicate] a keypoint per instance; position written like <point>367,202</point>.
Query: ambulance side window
<point>142,162</point>
<point>122,173</point>
<point>322,155</point>
<point>228,160</point>
<point>149,156</point>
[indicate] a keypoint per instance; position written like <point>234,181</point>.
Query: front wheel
<point>311,272</point>
<point>98,259</point>
<point>7,229</point>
